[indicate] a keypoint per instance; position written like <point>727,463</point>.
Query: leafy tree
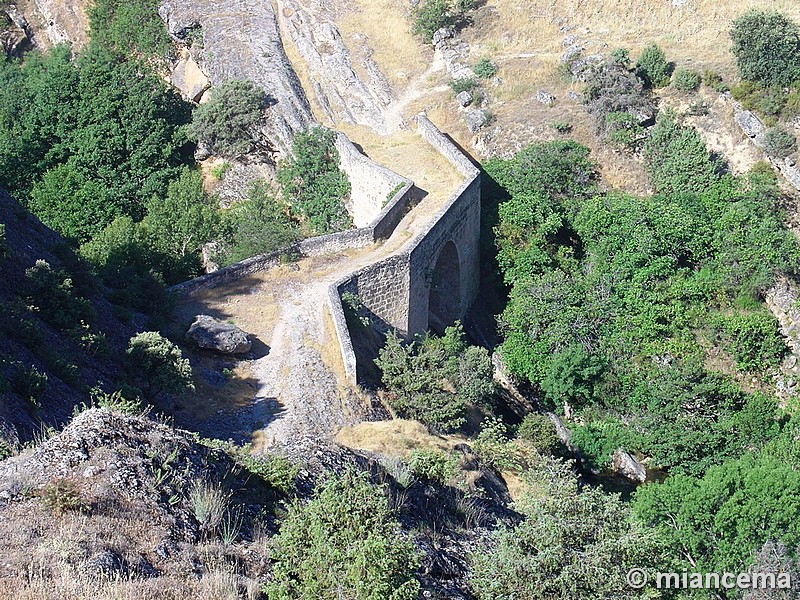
<point>313,184</point>
<point>715,523</point>
<point>227,122</point>
<point>569,544</point>
<point>157,365</point>
<point>766,45</point>
<point>572,375</point>
<point>343,543</point>
<point>432,15</point>
<point>184,220</point>
<point>67,202</point>
<point>257,225</point>
<point>653,67</point>
<point>433,379</point>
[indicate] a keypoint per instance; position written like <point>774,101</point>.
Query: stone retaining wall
<point>380,228</point>
<point>370,182</point>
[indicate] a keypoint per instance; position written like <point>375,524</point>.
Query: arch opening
<point>444,299</point>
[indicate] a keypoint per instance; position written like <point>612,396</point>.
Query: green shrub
<point>677,158</point>
<point>561,548</point>
<point>755,341</point>
<point>353,306</point>
<point>226,123</point>
<point>275,469</point>
<point>791,108</point>
<point>116,401</point>
<point>539,431</point>
<point>220,170</point>
<point>621,56</point>
<point>485,68</point>
<point>433,465</point>
<point>623,129</point>
<point>463,84</point>
<point>3,243</point>
<point>766,45</point>
<point>686,80</point>
<point>433,379</point>
<point>698,108</point>
<point>614,90</point>
<point>343,543</point>
<point>778,142</point>
<point>62,496</point>
<point>29,383</point>
<point>209,503</point>
<point>653,67</point>
<point>561,126</point>
<point>314,185</point>
<point>258,225</point>
<point>51,292</point>
<point>157,365</point>
<point>713,80</point>
<point>130,26</point>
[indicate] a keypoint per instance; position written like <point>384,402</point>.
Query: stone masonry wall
<point>370,182</point>
<point>458,221</point>
<point>381,228</point>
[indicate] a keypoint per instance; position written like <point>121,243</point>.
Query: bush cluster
<point>778,142</point>
<point>313,184</point>
<point>430,16</point>
<point>617,99</point>
<point>434,379</point>
<point>686,80</point>
<point>653,67</point>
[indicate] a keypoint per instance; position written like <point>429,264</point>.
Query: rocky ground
<point>110,508</point>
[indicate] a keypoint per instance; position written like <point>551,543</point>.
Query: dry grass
<point>515,484</point>
<point>383,25</point>
<point>395,438</point>
<point>70,584</point>
<point>696,31</point>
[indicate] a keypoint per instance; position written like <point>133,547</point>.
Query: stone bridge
<point>434,279</point>
<point>414,266</point>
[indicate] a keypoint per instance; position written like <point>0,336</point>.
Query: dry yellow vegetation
<point>395,438</point>
<point>694,30</point>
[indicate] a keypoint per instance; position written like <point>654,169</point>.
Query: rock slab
<point>627,466</point>
<point>213,334</point>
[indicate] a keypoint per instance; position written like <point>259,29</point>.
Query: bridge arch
<point>444,297</point>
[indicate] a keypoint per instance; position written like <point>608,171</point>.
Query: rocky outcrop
<point>17,35</point>
<point>345,94</point>
<point>213,334</point>
<point>188,78</point>
<point>626,465</point>
<point>755,129</point>
<point>241,40</point>
<point>64,21</point>
<point>750,124</point>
